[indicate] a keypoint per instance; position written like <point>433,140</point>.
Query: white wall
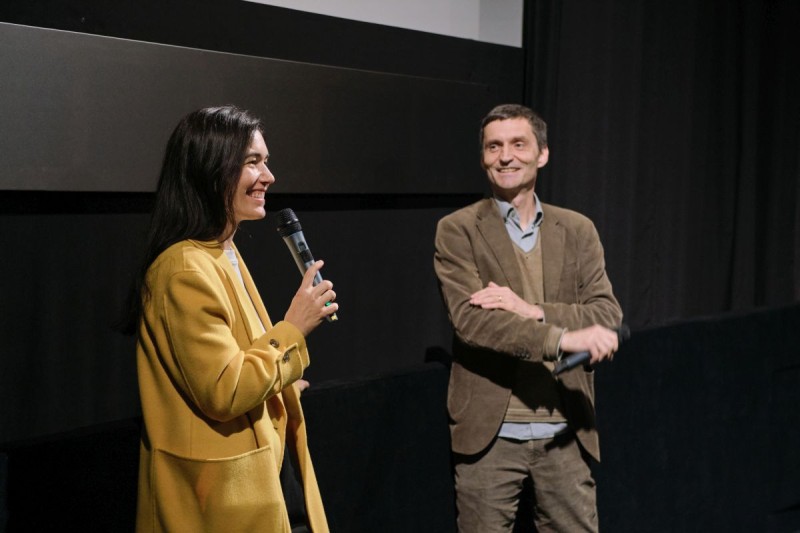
<point>491,21</point>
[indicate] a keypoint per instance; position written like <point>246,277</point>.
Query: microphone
<point>289,228</point>
<point>579,358</point>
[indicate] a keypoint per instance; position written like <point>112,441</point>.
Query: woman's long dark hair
<point>194,197</point>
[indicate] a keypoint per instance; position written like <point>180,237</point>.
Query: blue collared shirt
<point>524,238</point>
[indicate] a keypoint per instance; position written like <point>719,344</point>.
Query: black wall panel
<point>249,28</point>
<point>88,113</point>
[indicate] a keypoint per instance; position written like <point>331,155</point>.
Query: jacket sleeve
<point>206,361</point>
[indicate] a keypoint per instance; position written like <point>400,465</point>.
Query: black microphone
<point>289,228</point>
<point>579,358</point>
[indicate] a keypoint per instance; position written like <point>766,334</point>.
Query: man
<point>523,283</point>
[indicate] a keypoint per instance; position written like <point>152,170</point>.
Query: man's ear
<point>544,157</point>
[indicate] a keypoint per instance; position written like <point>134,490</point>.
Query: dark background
<point>674,126</point>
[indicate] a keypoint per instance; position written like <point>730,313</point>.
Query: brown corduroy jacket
<point>473,248</point>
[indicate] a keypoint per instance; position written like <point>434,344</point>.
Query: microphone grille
<point>286,216</point>
<point>287,222</point>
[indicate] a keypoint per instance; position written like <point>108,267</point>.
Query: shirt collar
<point>509,213</point>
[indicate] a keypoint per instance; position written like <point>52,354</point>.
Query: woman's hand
<point>311,304</point>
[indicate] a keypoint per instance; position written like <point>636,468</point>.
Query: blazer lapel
<point>552,243</point>
<point>246,308</point>
<point>492,228</point>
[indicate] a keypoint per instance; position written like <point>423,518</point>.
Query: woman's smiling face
<point>254,180</point>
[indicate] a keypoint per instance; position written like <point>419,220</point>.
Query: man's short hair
<point>508,111</point>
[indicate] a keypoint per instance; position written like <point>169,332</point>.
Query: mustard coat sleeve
<point>202,336</point>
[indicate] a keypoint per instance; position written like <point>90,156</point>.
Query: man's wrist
<point>552,346</point>
<point>559,351</point>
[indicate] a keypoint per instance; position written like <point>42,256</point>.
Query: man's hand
<point>600,342</point>
<point>493,296</point>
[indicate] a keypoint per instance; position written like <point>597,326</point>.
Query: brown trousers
<point>488,486</point>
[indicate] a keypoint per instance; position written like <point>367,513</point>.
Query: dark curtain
<point>675,126</point>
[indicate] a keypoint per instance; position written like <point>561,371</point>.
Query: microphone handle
<point>317,281</point>
<point>304,259</point>
<point>571,361</point>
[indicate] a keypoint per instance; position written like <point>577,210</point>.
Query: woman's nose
<point>266,174</point>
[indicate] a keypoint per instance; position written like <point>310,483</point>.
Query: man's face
<point>255,178</point>
<point>511,156</point>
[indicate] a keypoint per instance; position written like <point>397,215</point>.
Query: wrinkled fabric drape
<point>676,128</point>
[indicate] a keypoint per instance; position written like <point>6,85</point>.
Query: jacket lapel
<point>552,243</point>
<point>242,299</point>
<point>493,230</point>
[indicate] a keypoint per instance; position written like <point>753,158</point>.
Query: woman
<point>217,378</point>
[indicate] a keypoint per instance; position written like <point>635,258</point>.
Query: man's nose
<point>505,154</point>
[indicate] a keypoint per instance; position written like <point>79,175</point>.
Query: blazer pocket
<point>240,493</point>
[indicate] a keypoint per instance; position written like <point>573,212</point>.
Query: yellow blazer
<point>218,401</point>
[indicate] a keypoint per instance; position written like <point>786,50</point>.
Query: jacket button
<point>274,343</point>
<point>286,357</point>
